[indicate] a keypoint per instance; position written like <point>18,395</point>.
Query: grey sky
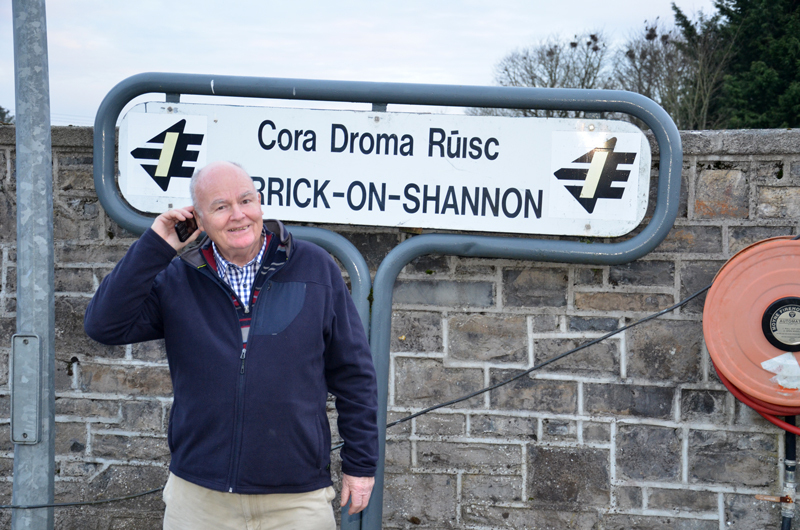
<point>94,44</point>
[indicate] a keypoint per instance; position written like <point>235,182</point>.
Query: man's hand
<point>164,225</point>
<point>356,490</point>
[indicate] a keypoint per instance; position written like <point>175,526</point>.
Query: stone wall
<point>635,432</point>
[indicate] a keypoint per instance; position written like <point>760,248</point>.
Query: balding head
<point>213,167</point>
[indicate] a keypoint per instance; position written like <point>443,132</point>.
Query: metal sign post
<point>33,348</point>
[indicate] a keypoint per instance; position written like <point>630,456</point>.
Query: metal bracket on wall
<point>26,390</point>
<point>649,236</point>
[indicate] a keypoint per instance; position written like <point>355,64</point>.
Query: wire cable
<point>82,503</point>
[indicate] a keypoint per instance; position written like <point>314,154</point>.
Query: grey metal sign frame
<point>381,94</point>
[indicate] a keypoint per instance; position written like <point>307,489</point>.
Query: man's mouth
<point>238,229</point>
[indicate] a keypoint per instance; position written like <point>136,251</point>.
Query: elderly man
<point>258,329</point>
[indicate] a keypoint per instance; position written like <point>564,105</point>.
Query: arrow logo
<point>167,162</point>
<point>599,176</point>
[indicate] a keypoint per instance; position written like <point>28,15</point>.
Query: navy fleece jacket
<point>249,410</point>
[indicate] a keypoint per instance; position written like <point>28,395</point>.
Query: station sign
<point>551,176</point>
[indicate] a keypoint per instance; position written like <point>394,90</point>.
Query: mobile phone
<point>186,228</point>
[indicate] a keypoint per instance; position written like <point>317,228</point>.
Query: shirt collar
<point>223,264</point>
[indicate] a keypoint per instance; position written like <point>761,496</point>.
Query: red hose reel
<point>751,324</point>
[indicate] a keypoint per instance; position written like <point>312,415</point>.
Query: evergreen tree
<point>5,116</point>
<point>762,88</point>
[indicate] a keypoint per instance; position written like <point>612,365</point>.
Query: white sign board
<point>550,176</point>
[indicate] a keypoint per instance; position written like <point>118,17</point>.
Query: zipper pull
<point>244,351</point>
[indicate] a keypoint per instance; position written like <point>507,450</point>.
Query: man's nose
<point>236,212</point>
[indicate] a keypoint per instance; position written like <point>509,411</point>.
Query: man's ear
<point>199,221</point>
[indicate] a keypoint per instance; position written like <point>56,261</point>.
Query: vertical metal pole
<point>34,464</point>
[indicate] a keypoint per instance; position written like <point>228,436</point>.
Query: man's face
<point>230,212</point>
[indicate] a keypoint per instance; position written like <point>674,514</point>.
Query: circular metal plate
<point>743,291</point>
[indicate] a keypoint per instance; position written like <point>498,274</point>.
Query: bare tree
<point>581,62</point>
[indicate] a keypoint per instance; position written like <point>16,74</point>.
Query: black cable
<point>84,503</point>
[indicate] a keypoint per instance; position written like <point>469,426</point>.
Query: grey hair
<point>198,174</point>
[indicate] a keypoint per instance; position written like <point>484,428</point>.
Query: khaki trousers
<point>193,507</point>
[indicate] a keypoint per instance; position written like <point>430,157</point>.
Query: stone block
<point>736,458</point>
<point>616,301</point>
<point>71,339</point>
<point>642,272</point>
<point>744,415</point>
<point>646,452</point>
<point>471,457</point>
<point>142,416</point>
<point>425,499</point>
<point>545,287</point>
<point>416,331</point>
<point>429,264</point>
<point>596,432</point>
<point>77,218</point>
<point>666,350</point>
<point>76,469</point>
<point>398,456</point>
<point>91,409</point>
<point>593,324</point>
<point>693,240</point>
<point>119,480</point>
<point>74,280</point>
<point>75,172</point>
<point>481,516</point>
<point>444,293</point>
<point>586,276</point>
<point>740,237</point>
<point>121,447</point>
<point>745,511</point>
<point>473,267</point>
<point>601,358</point>
<point>629,498</point>
<point>559,430</point>
<point>778,202</point>
<point>8,215</point>
<point>697,275</point>
<point>490,489</point>
<point>488,338</point>
<point>401,429</point>
<point>71,439</point>
<point>568,475</point>
<point>545,323</point>
<point>722,194</point>
<point>628,400</point>
<point>426,382</point>
<point>540,395</point>
<point>682,499</point>
<point>8,327</point>
<point>373,246</point>
<point>503,426</point>
<point>125,380</point>
<point>441,424</point>
<point>706,406</point>
<point>89,253</point>
<point>152,350</point>
<point>768,170</point>
<point>642,522</point>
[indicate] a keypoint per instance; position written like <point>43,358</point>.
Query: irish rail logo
<point>168,161</point>
<point>595,182</point>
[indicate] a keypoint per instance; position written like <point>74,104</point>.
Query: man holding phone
<point>258,329</point>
